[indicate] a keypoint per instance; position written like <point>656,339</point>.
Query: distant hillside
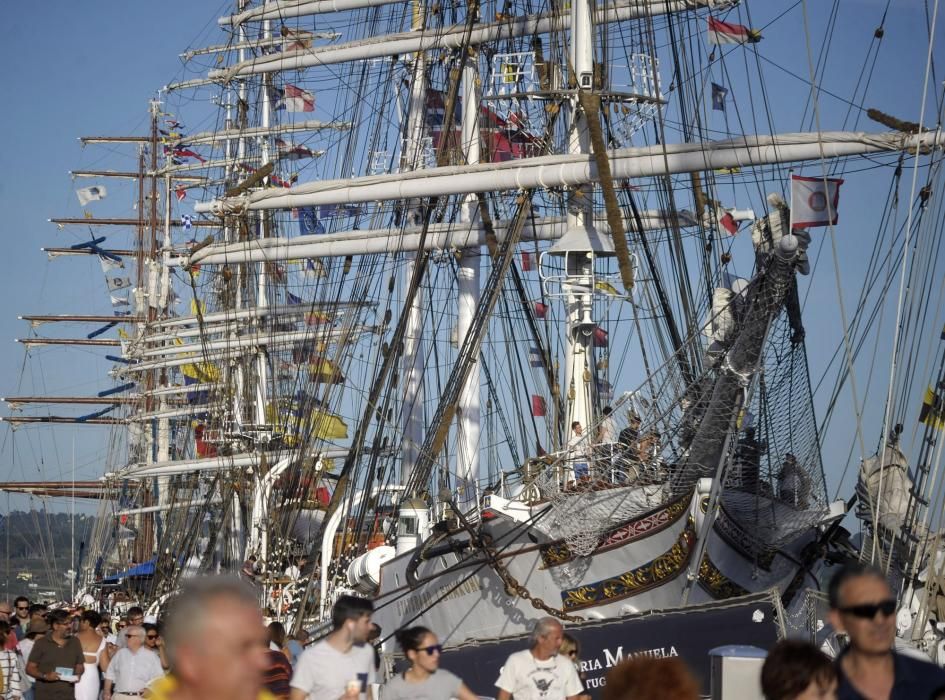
<point>36,551</point>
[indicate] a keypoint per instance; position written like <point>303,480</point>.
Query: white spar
<point>297,8</point>
<point>578,169</point>
<point>453,37</point>
<point>285,310</point>
<point>252,132</point>
<point>405,239</point>
<point>304,8</point>
<point>237,461</point>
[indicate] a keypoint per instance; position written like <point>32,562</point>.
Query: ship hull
<point>469,593</point>
<point>689,633</point>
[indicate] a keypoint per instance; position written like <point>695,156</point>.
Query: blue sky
<point>76,69</point>
<point>89,69</point>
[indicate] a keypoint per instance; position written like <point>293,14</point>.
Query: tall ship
<point>493,311</point>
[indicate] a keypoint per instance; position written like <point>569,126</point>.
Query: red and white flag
<point>291,151</point>
<point>181,193</point>
<point>814,201</point>
<point>726,33</point>
<point>727,221</point>
<point>295,99</point>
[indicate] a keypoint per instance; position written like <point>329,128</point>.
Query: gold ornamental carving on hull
<point>717,584</point>
<point>558,553</point>
<point>652,574</point>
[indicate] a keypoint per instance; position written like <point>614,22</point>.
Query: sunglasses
<point>868,611</point>
<point>151,636</point>
<point>131,635</point>
<point>433,649</point>
<point>20,607</point>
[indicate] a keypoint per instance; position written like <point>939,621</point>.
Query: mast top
<point>583,238</point>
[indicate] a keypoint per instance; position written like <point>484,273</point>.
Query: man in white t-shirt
<point>540,673</point>
<point>341,666</point>
<point>607,429</point>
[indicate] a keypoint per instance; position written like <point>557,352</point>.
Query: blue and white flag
<point>91,194</point>
<point>119,300</point>
<point>116,283</point>
<point>187,221</point>
<point>605,391</point>
<point>309,223</point>
<point>110,264</point>
<point>291,298</point>
<point>534,357</point>
<point>329,211</point>
<point>436,109</point>
<point>719,93</point>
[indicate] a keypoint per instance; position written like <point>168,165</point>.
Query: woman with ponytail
<point>424,680</point>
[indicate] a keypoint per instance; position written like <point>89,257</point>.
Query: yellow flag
<point>202,372</point>
<point>606,288</point>
<point>324,370</point>
<point>932,413</point>
<point>327,426</point>
<point>322,424</point>
<point>199,371</point>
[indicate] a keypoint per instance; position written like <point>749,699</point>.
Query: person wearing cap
<point>51,656</point>
<point>36,629</point>
<point>132,669</point>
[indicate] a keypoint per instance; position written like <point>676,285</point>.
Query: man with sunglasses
<point>134,616</point>
<point>132,669</point>
<point>56,660</point>
<point>154,642</point>
<point>22,620</point>
<point>863,606</point>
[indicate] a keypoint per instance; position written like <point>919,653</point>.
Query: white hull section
<point>640,566</point>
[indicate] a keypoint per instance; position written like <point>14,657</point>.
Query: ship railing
<point>592,467</point>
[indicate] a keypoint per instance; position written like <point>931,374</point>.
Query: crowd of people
<point>213,645</point>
